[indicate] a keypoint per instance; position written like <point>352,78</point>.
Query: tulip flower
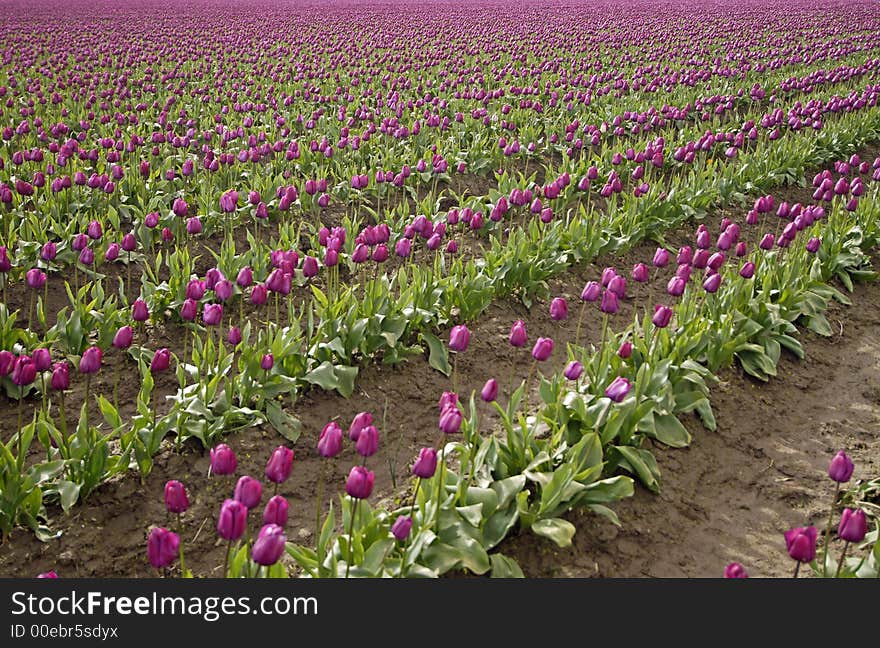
<point>269,545</point>
<point>279,466</point>
<point>276,511</point>
<point>90,362</point>
<point>625,350</point>
<point>618,389</point>
<point>359,484</point>
<point>139,311</point>
<point>662,316</point>
<point>609,304</point>
<point>232,520</point>
<point>573,370</point>
<point>543,349</point>
<point>450,420</point>
<point>248,491</point>
<point>48,574</point>
<point>490,390</point>
<point>330,440</point>
<point>735,570</point>
<point>163,546</point>
<point>661,258</point>
<point>60,376</point>
<point>640,272</point>
<point>518,336</point>
<point>748,270</point>
<point>360,421</point>
<point>801,545</point>
<point>223,460</point>
<point>161,361</point>
<point>558,309</point>
<point>841,468</point>
<point>459,338</point>
<point>402,527</point>
<point>176,500</point>
<point>212,314</point>
<point>712,283</point>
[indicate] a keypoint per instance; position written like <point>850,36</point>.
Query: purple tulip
<point>640,273</point>
<point>712,283</point>
<point>24,372</point>
<point>60,376</point>
<point>625,350</point>
<point>459,338</point>
<point>212,314</point>
<point>662,316</point>
<point>229,201</point>
<point>618,389</point>
<point>450,420</point>
<point>767,242</point>
<point>359,484</point>
<point>543,349</point>
<point>813,245</point>
<point>490,391</point>
<point>735,570</point>
<point>558,309</point>
<point>402,527</point>
<point>267,362</point>
<point>591,291</point>
<point>234,336</point>
<point>179,207</point>
<point>269,545</point>
<point>223,460</point>
<point>573,370</point>
<point>48,574</point>
<point>841,468</point>
<point>176,500</point>
<point>161,361</point>
<point>801,543</point>
<point>248,491</point>
<point>259,294</point>
<point>280,465</point>
<point>276,511</point>
<point>91,360</point>
<point>853,525</point>
<point>518,336</point>
<point>609,303</point>
<point>42,359</point>
<point>163,546</point>
<point>661,258</point>
<point>35,278</point>
<point>330,441</point>
<point>139,311</point>
<point>189,310</point>
<point>361,420</point>
<point>368,441</point>
<point>7,362</point>
<point>232,520</point>
<point>426,464</point>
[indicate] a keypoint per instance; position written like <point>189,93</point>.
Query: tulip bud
<point>276,511</point>
<point>450,420</point>
<point>490,390</point>
<point>573,370</point>
<point>360,421</point>
<point>767,242</point>
<point>735,570</point>
<point>712,283</point>
<point>42,359</point>
<point>232,520</point>
<point>161,360</point>
<point>267,362</point>
<point>368,441</point>
<point>402,527</point>
<point>248,491</point>
<point>139,311</point>
<point>48,574</point>
<point>558,309</point>
<point>223,460</point>
<point>259,295</point>
<point>359,484</point>
<point>661,258</point>
<point>91,360</point>
<point>212,314</point>
<point>7,362</point>
<point>163,547</point>
<point>279,466</point>
<point>24,372</point>
<point>853,525</point>
<point>813,245</point>
<point>801,543</point>
<point>234,336</point>
<point>189,310</point>
<point>591,291</point>
<point>609,303</point>
<point>662,316</point>
<point>176,500</point>
<point>35,278</point>
<point>518,336</point>
<point>330,441</point>
<point>459,338</point>
<point>618,389</point>
<point>841,468</point>
<point>426,464</point>
<point>543,349</point>
<point>60,376</point>
<point>625,350</point>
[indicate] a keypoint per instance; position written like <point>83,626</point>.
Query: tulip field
<point>345,290</point>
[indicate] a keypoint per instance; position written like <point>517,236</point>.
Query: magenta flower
<point>618,389</point>
<point>801,543</point>
<point>163,546</point>
<point>459,338</point>
<point>359,484</point>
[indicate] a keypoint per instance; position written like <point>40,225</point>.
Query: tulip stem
<point>577,335</point>
<point>842,556</point>
<point>63,421</point>
<point>601,346</point>
<point>528,388</point>
<point>116,387</point>
<point>351,536</point>
<point>86,409</point>
<point>228,554</point>
<point>455,373</point>
<point>412,508</point>
<point>828,530</point>
<point>18,427</point>
<point>797,567</point>
<point>31,310</point>
<point>318,502</point>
